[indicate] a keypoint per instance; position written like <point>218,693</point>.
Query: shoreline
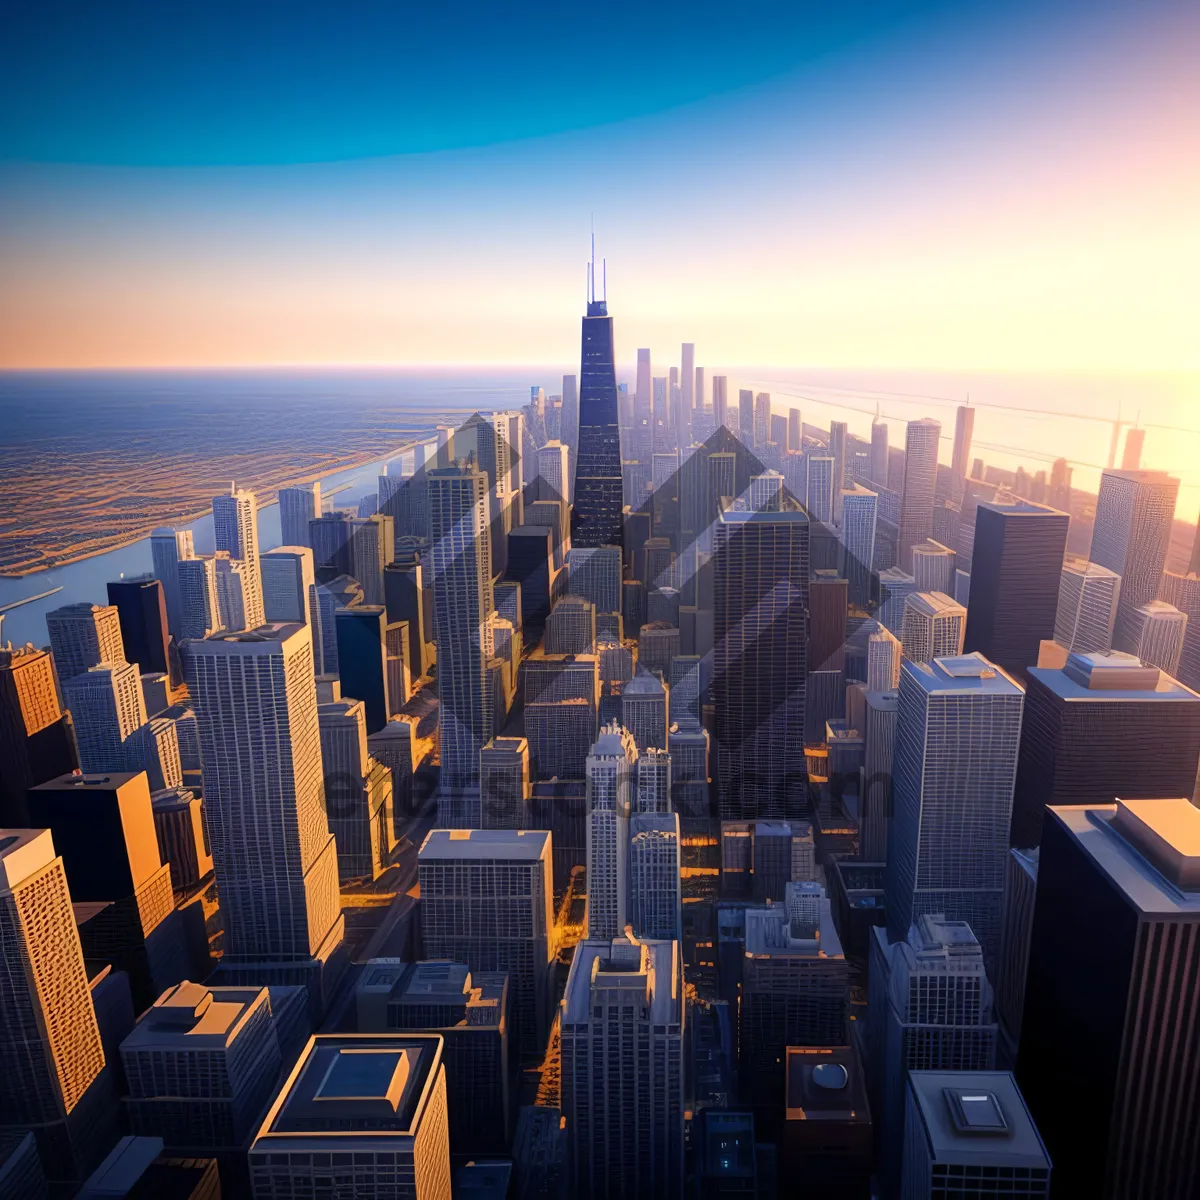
<point>120,541</point>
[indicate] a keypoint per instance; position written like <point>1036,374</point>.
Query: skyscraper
<point>596,516</point>
<point>504,783</point>
<point>957,736</point>
<point>462,599</point>
<point>879,452</point>
<point>687,380</point>
<point>1158,629</point>
<point>795,430</point>
<point>168,548</point>
<point>596,575</point>
<point>933,627</point>
<point>235,529</point>
<point>920,482</point>
<point>1087,606</point>
<point>760,574</point>
<point>297,507</point>
<point>142,611</point>
<point>837,451</point>
<point>934,567</point>
<point>1115,917</point>
<point>1183,591</point>
<point>255,700</point>
<point>82,636</point>
<point>199,602</point>
<point>883,661</point>
<point>1103,726</point>
<point>964,427</point>
<point>363,660</point>
<point>622,1069</point>
<point>610,798</point>
<point>569,423</point>
<point>762,421</point>
<point>51,1056</point>
<point>720,395</point>
<point>486,898</point>
<point>859,510</point>
<point>1015,573</point>
<point>819,500</point>
<point>644,704</point>
<point>378,1100</point>
<point>1134,512</point>
<point>289,584</point>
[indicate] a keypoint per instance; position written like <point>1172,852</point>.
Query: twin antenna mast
<point>591,273</point>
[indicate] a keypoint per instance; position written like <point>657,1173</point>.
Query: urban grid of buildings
<point>643,793</point>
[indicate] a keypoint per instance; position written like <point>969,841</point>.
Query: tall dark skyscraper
<point>1015,574</point>
<point>1111,999</point>
<point>142,608</point>
<point>596,516</point>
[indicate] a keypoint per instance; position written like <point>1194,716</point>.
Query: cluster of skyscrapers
<point>642,793</point>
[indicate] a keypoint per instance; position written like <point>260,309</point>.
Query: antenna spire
<point>604,269</point>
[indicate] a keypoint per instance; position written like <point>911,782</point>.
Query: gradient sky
<point>950,185</point>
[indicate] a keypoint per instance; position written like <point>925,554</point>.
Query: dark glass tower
<point>596,515</point>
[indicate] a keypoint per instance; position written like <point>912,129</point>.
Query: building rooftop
<point>976,1117</point>
<point>644,683</point>
<point>22,852</point>
<point>524,844</point>
<point>484,1180</point>
<point>769,932</point>
<point>1111,676</point>
<point>960,673</point>
<point>1091,570</point>
<point>1148,855</point>
<point>934,603</point>
<point>272,631</point>
<point>825,1083</point>
<point>193,1016</point>
<point>126,1163</point>
<point>649,967</point>
<point>351,1090</point>
<point>1021,508</point>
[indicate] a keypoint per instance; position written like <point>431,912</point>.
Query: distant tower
<point>1134,512</point>
<point>795,430</point>
<point>859,512</point>
<point>297,507</point>
<point>720,395</point>
<point>596,516</point>
<point>610,795</point>
<point>837,451</point>
<point>879,452</point>
<point>1087,606</point>
<point>745,429</point>
<point>820,487</point>
<point>82,636</point>
<point>553,472</point>
<point>964,427</point>
<point>920,482</point>
<point>622,1069</point>
<point>276,861</point>
<point>934,567</point>
<point>955,766</point>
<point>235,529</point>
<point>51,1056</point>
<point>463,602</point>
<point>762,421</point>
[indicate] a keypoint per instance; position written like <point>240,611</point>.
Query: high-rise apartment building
<point>622,1069</point>
<point>1017,565</point>
<point>1134,512</point>
<point>611,767</point>
<point>486,898</point>
<point>760,572</point>
<point>362,1114</point>
<point>934,567</point>
<point>644,710</point>
<point>970,1132</point>
<point>934,625</point>
<point>235,530</point>
<point>1157,630</point>
<point>859,512</point>
<point>504,783</point>
<point>571,627</point>
<point>462,600</point>
<point>957,736</point>
<point>920,484</point>
<point>819,500</point>
<point>1114,920</point>
<point>255,700</point>
<point>1087,606</point>
<point>884,652</point>
<point>51,1055</point>
<point>82,636</point>
<point>1103,726</point>
<point>297,507</point>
